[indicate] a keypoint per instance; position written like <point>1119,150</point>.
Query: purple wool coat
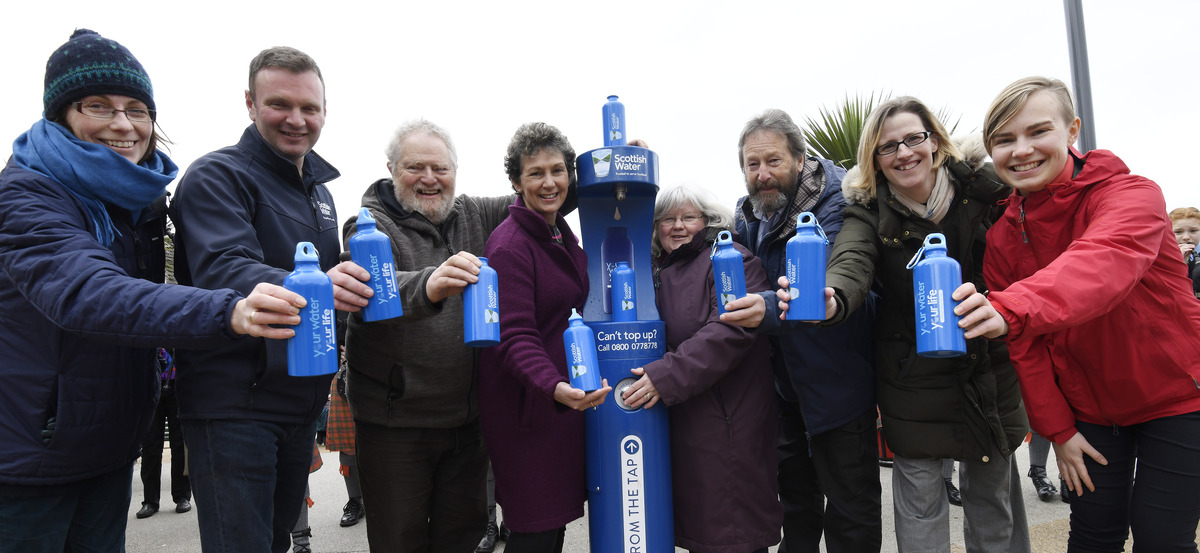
<point>536,444</point>
<point>717,380</point>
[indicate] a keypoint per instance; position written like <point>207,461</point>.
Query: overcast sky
<point>690,73</point>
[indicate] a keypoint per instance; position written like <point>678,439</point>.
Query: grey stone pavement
<point>168,531</point>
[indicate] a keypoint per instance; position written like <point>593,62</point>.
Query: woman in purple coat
<point>716,377</point>
<point>532,418</point>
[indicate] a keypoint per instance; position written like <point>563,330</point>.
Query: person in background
<point>83,307</point>
<point>1185,223</point>
<point>1039,453</point>
<point>1089,290</point>
<point>165,421</point>
<point>912,181</point>
<point>239,213</point>
<point>532,418</point>
<point>716,378</point>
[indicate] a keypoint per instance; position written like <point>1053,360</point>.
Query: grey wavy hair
<point>716,216</point>
<point>418,126</point>
<point>778,122</point>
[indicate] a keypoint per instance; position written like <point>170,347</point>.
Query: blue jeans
<point>1161,505</point>
<point>248,478</point>
<point>86,517</point>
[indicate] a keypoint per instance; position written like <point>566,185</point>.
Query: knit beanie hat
<point>91,64</point>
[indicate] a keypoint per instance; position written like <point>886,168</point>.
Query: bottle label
<point>931,308</point>
<point>491,314</point>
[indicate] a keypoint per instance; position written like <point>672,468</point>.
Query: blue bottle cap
<point>306,252</point>
<point>365,218</point>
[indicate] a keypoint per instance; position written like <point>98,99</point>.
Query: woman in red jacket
<point>1090,289</point>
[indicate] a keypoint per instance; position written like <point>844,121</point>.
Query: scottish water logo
<point>602,162</point>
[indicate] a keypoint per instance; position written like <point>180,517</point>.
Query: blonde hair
<point>1016,95</point>
<point>1184,213</point>
<point>873,128</point>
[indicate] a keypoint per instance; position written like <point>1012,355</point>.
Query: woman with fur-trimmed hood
<point>911,181</point>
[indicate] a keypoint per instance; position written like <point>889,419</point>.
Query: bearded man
<point>412,382</point>
<point>824,376</point>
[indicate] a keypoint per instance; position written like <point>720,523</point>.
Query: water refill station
<point>628,450</point>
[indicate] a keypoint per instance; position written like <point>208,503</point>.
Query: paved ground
<point>168,531</point>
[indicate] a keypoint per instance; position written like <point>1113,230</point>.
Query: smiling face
<point>424,176</point>
<point>677,227</point>
<point>908,169</point>
<point>772,173</point>
<point>131,140</point>
<point>1032,148</point>
<point>288,110</point>
<point>544,182</point>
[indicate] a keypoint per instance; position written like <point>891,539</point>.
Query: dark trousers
<point>84,516</point>
<point>550,541</point>
<point>424,489</point>
<point>829,485</point>
<point>249,478</point>
<point>1151,484</point>
<point>166,418</point>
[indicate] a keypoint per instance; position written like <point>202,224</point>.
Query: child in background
<point>1185,222</point>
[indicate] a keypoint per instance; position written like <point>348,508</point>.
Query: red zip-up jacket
<point>1103,325</point>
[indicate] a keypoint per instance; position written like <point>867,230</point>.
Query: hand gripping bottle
<point>728,271</point>
<point>372,250</point>
<point>806,259</point>
<point>614,122</point>
<point>313,350</point>
<point>934,280</point>
<point>580,345</point>
<point>624,300</point>
<point>481,309</point>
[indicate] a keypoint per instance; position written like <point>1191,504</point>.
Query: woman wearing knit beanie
<point>82,304</point>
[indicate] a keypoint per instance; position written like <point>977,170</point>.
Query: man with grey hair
<point>412,382</point>
<point>824,377</point>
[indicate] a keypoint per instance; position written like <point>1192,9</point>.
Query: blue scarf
<point>93,173</point>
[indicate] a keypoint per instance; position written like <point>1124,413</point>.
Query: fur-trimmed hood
<point>970,146</point>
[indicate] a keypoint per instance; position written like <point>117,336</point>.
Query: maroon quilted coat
<point>717,381</point>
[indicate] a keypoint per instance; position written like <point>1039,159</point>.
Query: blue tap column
<point>628,450</point>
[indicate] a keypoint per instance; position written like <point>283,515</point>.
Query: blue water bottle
<point>372,250</point>
<point>614,122</point>
<point>481,309</point>
<point>624,301</point>
<point>728,271</point>
<point>313,350</point>
<point>616,248</point>
<point>580,345</point>
<point>806,259</point>
<point>935,278</point>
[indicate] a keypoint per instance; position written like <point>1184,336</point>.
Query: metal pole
<point>1081,78</point>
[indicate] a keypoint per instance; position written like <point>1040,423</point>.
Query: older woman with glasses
<point>717,379</point>
<point>82,304</point>
<point>911,181</point>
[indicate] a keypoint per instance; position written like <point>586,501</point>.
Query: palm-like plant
<point>835,134</point>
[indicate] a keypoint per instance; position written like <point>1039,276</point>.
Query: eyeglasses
<point>687,220</point>
<point>105,111</point>
<point>912,141</point>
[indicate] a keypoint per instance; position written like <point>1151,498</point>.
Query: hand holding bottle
<point>267,304</point>
<point>976,315</point>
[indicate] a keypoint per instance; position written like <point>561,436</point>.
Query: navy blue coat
<point>79,324</point>
<point>828,370</point>
<point>238,214</point>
